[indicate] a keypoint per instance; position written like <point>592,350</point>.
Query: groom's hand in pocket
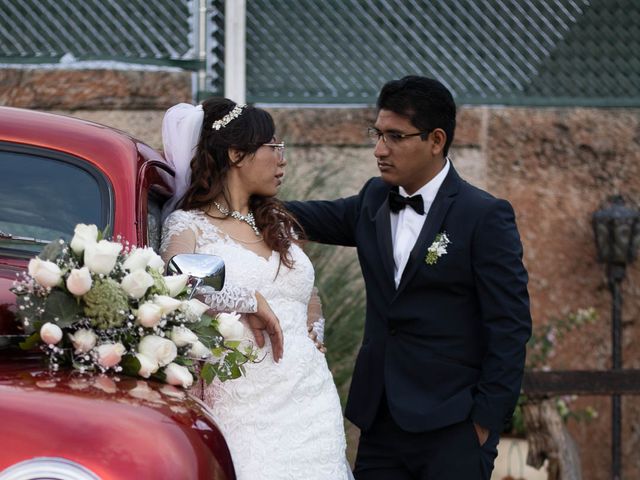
<point>481,432</point>
<point>264,320</point>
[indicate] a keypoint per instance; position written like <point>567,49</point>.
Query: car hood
<point>119,428</point>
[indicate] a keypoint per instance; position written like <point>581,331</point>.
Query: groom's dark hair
<point>426,102</point>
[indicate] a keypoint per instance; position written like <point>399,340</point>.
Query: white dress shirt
<point>407,223</point>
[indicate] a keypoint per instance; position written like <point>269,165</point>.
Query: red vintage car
<point>55,172</point>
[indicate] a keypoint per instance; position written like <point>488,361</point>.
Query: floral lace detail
<point>231,297</point>
<point>281,421</point>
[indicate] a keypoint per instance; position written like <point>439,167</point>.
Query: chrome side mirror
<point>204,270</point>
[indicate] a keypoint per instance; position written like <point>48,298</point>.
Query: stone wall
<point>555,165</point>
<point>93,89</point>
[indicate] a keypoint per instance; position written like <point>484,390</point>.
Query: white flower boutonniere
<point>437,249</point>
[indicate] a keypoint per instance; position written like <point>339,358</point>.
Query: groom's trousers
<point>450,453</point>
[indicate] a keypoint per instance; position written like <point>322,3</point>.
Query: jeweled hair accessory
<point>224,121</point>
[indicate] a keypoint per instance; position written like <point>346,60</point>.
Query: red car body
<point>122,428</point>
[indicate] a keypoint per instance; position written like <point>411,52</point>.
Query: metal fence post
<point>235,20</point>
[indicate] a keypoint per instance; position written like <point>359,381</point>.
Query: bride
<point>283,419</point>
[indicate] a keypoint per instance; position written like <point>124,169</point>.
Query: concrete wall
<point>555,165</point>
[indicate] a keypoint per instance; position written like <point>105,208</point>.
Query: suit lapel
<point>383,233</point>
<point>432,225</point>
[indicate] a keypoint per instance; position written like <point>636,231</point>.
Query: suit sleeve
<point>501,284</point>
<point>333,222</point>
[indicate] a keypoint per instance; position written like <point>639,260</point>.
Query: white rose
<point>156,262</point>
<point>83,235</point>
<point>83,340</point>
<point>166,303</point>
<point>141,258</point>
<point>110,354</point>
<point>199,350</point>
<point>50,333</point>
<point>229,326</point>
<point>176,283</point>
<point>137,283</point>
<point>137,259</point>
<point>148,365</point>
<point>161,350</point>
<point>79,281</point>
<point>45,273</point>
<point>178,375</point>
<point>101,257</point>
<point>149,314</point>
<point>182,336</point>
<point>194,309</point>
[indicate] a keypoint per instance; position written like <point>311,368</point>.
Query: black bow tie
<point>397,202</point>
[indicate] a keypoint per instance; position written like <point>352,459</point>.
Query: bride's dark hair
<point>211,163</point>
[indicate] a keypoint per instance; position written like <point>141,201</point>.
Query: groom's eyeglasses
<point>278,147</point>
<point>391,138</point>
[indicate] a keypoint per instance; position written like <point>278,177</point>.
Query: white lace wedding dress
<point>281,421</point>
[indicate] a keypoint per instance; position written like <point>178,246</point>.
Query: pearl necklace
<point>248,218</point>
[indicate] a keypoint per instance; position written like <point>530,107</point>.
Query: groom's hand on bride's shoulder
<point>264,320</point>
<point>313,335</point>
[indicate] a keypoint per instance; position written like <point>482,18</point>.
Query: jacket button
<point>393,331</point>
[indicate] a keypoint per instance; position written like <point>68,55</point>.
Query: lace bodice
<point>191,232</point>
<point>281,421</point>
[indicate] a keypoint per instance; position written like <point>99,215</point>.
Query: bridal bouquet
<point>100,306</point>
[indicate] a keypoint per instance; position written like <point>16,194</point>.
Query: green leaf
<point>160,375</point>
<point>104,233</point>
<point>209,336</point>
<point>208,373</point>
<point>130,365</point>
<point>29,309</point>
<point>62,306</point>
<point>52,251</point>
<point>218,351</point>
<point>235,371</point>
<point>185,362</point>
<point>31,342</point>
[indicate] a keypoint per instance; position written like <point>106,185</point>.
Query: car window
<point>45,194</point>
<point>154,219</point>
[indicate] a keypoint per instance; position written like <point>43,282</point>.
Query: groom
<point>441,362</point>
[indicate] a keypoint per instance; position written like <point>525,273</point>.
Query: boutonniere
<point>437,249</point>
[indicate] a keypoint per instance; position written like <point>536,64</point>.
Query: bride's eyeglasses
<point>278,147</point>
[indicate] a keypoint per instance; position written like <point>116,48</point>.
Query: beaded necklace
<point>248,218</point>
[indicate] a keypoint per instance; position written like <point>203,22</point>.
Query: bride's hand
<point>265,320</point>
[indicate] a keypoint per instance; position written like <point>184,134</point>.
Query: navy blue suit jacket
<point>449,342</point>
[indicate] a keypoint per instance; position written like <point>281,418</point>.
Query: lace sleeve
<point>231,298</point>
<point>180,235</point>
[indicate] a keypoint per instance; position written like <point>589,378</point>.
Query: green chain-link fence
<point>137,31</point>
<point>577,52</point>
<point>522,52</point>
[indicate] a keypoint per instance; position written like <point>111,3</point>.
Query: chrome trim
<point>49,468</point>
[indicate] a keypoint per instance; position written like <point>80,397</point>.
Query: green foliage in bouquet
<point>99,306</point>
<point>105,302</point>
